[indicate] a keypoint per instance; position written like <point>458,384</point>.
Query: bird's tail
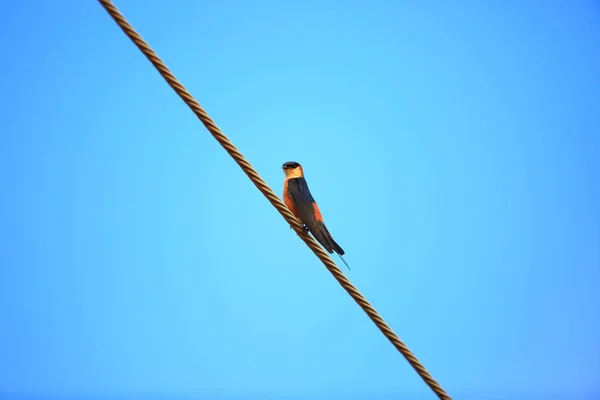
<point>347,266</point>
<point>338,249</point>
<point>324,237</point>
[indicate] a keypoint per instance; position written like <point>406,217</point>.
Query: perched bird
<point>297,197</point>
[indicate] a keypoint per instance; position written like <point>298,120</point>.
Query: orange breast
<point>286,199</point>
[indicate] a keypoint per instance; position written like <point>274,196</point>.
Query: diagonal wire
<point>272,197</point>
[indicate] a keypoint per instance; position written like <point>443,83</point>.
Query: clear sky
<point>454,151</point>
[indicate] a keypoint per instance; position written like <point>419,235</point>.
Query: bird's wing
<point>309,211</point>
<point>302,199</point>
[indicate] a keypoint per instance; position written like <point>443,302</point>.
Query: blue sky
<point>453,150</point>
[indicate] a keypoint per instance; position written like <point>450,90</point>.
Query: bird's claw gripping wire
<point>303,227</point>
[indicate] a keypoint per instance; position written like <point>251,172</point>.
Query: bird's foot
<point>303,227</point>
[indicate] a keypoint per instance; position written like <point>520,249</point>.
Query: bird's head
<point>292,169</point>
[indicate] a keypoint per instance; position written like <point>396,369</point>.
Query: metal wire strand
<point>272,197</point>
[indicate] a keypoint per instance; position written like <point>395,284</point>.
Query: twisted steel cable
<point>272,197</point>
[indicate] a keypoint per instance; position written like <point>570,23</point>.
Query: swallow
<point>299,200</point>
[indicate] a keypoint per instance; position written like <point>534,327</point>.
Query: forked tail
<point>347,266</point>
<point>324,237</point>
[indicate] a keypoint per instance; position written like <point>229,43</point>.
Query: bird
<point>297,197</point>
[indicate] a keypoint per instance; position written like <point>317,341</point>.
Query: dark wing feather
<point>303,201</point>
<point>302,198</point>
